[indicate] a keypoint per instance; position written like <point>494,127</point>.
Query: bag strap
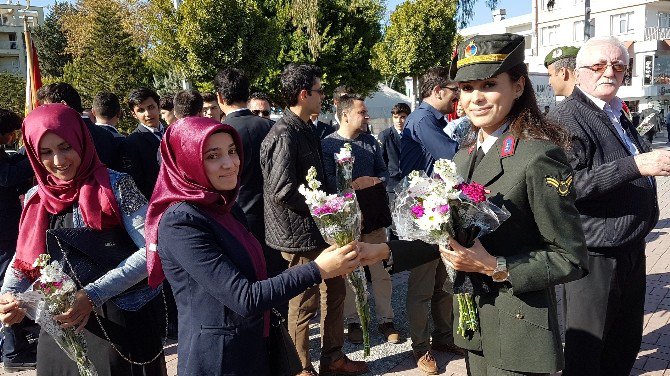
<point>97,317</point>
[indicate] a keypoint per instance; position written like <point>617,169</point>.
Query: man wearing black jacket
<point>287,153</point>
<point>232,94</point>
<point>614,171</point>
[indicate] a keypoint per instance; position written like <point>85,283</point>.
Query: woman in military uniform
<point>519,157</point>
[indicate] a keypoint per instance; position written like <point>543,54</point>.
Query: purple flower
<point>443,209</point>
<point>348,195</point>
<point>418,210</point>
<point>473,191</point>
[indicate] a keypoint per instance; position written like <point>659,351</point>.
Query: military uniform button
<point>519,316</point>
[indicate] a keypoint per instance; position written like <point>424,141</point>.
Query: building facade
<point>12,41</point>
<point>642,25</point>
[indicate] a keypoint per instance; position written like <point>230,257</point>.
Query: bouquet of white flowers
<point>52,294</point>
<point>443,207</point>
<point>339,221</point>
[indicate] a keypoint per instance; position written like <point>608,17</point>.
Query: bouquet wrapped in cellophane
<point>435,209</point>
<point>52,294</point>
<point>339,221</point>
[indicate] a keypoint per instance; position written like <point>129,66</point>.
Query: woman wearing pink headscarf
<point>76,190</point>
<point>196,236</point>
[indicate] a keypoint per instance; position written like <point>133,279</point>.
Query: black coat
<point>390,141</point>
<point>219,299</point>
<point>322,129</point>
<point>252,130</point>
<point>139,158</point>
<point>15,179</point>
<point>617,205</point>
<point>106,145</point>
<point>288,151</point>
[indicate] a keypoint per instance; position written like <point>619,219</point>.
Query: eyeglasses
<point>601,67</point>
<point>259,112</point>
<point>320,91</point>
<point>456,90</point>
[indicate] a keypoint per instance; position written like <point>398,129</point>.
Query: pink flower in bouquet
<point>443,209</point>
<point>418,210</point>
<point>348,195</point>
<point>474,191</point>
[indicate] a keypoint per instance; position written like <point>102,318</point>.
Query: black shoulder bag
<point>284,360</point>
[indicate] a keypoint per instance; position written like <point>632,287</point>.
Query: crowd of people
<point>206,191</point>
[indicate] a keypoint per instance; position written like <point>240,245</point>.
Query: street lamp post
<point>587,19</point>
<point>185,84</point>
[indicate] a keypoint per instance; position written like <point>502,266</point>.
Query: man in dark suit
<point>107,111</point>
<point>321,129</point>
<point>232,90</point>
<point>389,138</point>
<point>139,151</point>
<point>616,197</point>
<point>105,144</point>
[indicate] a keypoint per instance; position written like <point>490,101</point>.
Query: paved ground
<point>654,356</point>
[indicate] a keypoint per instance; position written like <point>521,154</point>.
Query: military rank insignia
<point>508,147</point>
<point>561,186</point>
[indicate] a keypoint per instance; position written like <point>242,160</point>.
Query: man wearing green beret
<point>560,64</point>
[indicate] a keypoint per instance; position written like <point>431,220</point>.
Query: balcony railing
<point>656,33</point>
<point>9,45</point>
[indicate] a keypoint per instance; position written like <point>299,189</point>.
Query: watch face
<point>499,276</point>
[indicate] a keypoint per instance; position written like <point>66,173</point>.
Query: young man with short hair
<point>139,150</point>
<point>561,63</point>
<point>369,176</point>
<point>187,103</point>
<point>259,104</point>
<point>210,106</point>
<point>167,109</point>
<point>107,111</point>
<point>287,153</point>
<point>389,139</point>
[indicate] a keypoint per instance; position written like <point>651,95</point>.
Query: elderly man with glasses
<point>614,171</point>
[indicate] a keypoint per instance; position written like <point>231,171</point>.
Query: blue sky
<point>482,13</point>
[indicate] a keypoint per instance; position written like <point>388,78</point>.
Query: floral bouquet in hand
<point>339,221</point>
<point>443,207</point>
<point>344,166</point>
<point>52,294</point>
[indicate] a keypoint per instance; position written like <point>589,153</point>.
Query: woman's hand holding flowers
<point>474,259</point>
<point>78,313</point>
<point>334,262</point>
<point>10,309</point>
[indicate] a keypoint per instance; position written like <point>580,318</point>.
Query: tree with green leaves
<point>109,61</point>
<point>336,35</point>
<point>420,36</point>
<point>51,42</point>
<point>12,92</point>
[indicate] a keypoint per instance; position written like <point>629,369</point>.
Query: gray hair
<point>597,42</point>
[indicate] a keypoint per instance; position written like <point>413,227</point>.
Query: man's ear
<point>220,99</point>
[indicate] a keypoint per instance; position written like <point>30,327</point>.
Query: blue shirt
<point>424,141</point>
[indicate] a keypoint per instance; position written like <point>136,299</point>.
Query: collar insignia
<point>508,147</point>
<point>471,50</point>
<point>557,53</point>
<point>562,186</point>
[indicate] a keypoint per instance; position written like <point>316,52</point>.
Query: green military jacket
<point>543,244</point>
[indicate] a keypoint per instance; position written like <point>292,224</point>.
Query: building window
<point>550,35</point>
<point>664,20</point>
<point>621,23</point>
<point>12,41</point>
<point>545,5</point>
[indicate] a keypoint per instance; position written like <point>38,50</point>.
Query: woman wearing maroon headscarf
<point>76,190</point>
<point>196,235</point>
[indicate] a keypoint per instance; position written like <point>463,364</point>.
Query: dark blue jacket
<point>219,300</point>
<point>15,179</point>
<point>424,141</point>
<point>390,141</point>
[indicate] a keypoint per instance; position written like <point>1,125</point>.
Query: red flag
<point>33,75</point>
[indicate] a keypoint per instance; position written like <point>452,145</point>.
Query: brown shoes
<point>355,333</point>
<point>343,367</point>
<point>450,348</point>
<point>388,331</point>
<point>426,363</point>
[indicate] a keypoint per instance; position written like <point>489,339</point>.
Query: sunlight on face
<point>58,157</point>
<point>222,163</point>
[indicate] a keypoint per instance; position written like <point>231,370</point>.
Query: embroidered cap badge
<point>471,50</point>
<point>557,53</point>
<point>561,186</point>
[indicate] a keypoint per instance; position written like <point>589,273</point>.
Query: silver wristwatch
<point>500,273</point>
